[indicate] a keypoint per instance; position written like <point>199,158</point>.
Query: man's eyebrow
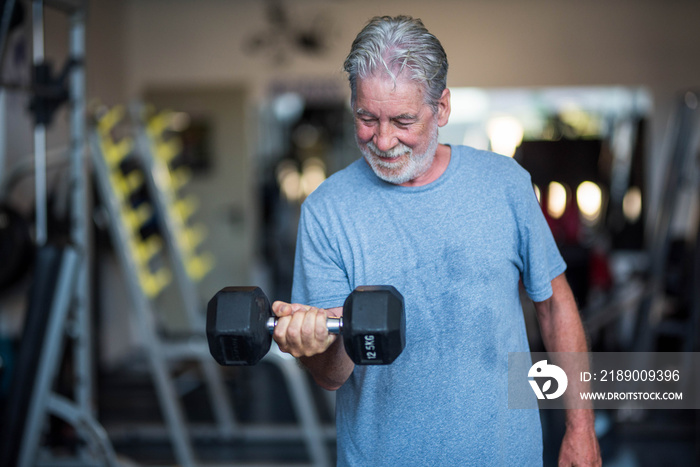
<point>364,113</point>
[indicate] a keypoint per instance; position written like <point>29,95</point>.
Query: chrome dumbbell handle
<point>334,325</point>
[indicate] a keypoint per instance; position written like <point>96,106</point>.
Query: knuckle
<point>293,333</point>
<point>306,333</point>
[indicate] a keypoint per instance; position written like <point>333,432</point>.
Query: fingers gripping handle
<point>334,325</point>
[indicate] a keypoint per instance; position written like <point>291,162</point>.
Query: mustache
<point>391,153</point>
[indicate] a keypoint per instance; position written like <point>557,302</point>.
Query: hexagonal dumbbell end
<point>374,325</point>
<point>237,330</point>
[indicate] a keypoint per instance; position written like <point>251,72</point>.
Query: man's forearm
<point>332,368</point>
<point>560,323</point>
<point>562,332</point>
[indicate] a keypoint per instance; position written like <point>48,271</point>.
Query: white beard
<point>401,171</point>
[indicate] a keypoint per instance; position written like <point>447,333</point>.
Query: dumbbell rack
<point>142,262</point>
<point>145,270</point>
<point>182,239</point>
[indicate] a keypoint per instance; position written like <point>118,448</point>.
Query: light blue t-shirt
<point>455,249</point>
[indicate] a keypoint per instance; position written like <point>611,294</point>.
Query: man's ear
<point>443,112</point>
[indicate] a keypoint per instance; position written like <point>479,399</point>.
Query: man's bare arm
<point>562,331</point>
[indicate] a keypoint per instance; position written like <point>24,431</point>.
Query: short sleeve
<point>320,278</point>
<point>540,256</point>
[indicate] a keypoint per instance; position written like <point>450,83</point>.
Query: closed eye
<point>364,115</point>
<point>404,123</point>
<point>404,120</point>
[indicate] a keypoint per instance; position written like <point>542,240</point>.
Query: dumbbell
<point>240,324</point>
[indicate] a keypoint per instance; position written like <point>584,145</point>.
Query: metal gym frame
<point>61,275</point>
<point>66,296</point>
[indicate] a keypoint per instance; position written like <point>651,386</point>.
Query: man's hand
<point>301,330</point>
<point>579,448</point>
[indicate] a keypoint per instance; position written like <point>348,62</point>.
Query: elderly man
<point>455,230</point>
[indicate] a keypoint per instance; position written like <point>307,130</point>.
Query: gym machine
<point>681,176</point>
<point>58,310</point>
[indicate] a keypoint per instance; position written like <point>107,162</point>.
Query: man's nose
<point>384,137</point>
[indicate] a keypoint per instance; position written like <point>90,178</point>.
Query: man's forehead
<point>403,96</point>
<point>394,83</point>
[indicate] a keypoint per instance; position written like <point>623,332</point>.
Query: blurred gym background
<point>154,151</point>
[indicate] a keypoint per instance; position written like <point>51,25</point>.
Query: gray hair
<point>398,44</point>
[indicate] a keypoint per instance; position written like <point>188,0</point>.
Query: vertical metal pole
<point>38,31</point>
<point>40,184</point>
<point>39,130</point>
<point>3,139</point>
<point>5,27</point>
<point>80,211</point>
<point>4,36</point>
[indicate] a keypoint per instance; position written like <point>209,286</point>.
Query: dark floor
<point>260,401</point>
<point>129,410</point>
<point>650,438</point>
